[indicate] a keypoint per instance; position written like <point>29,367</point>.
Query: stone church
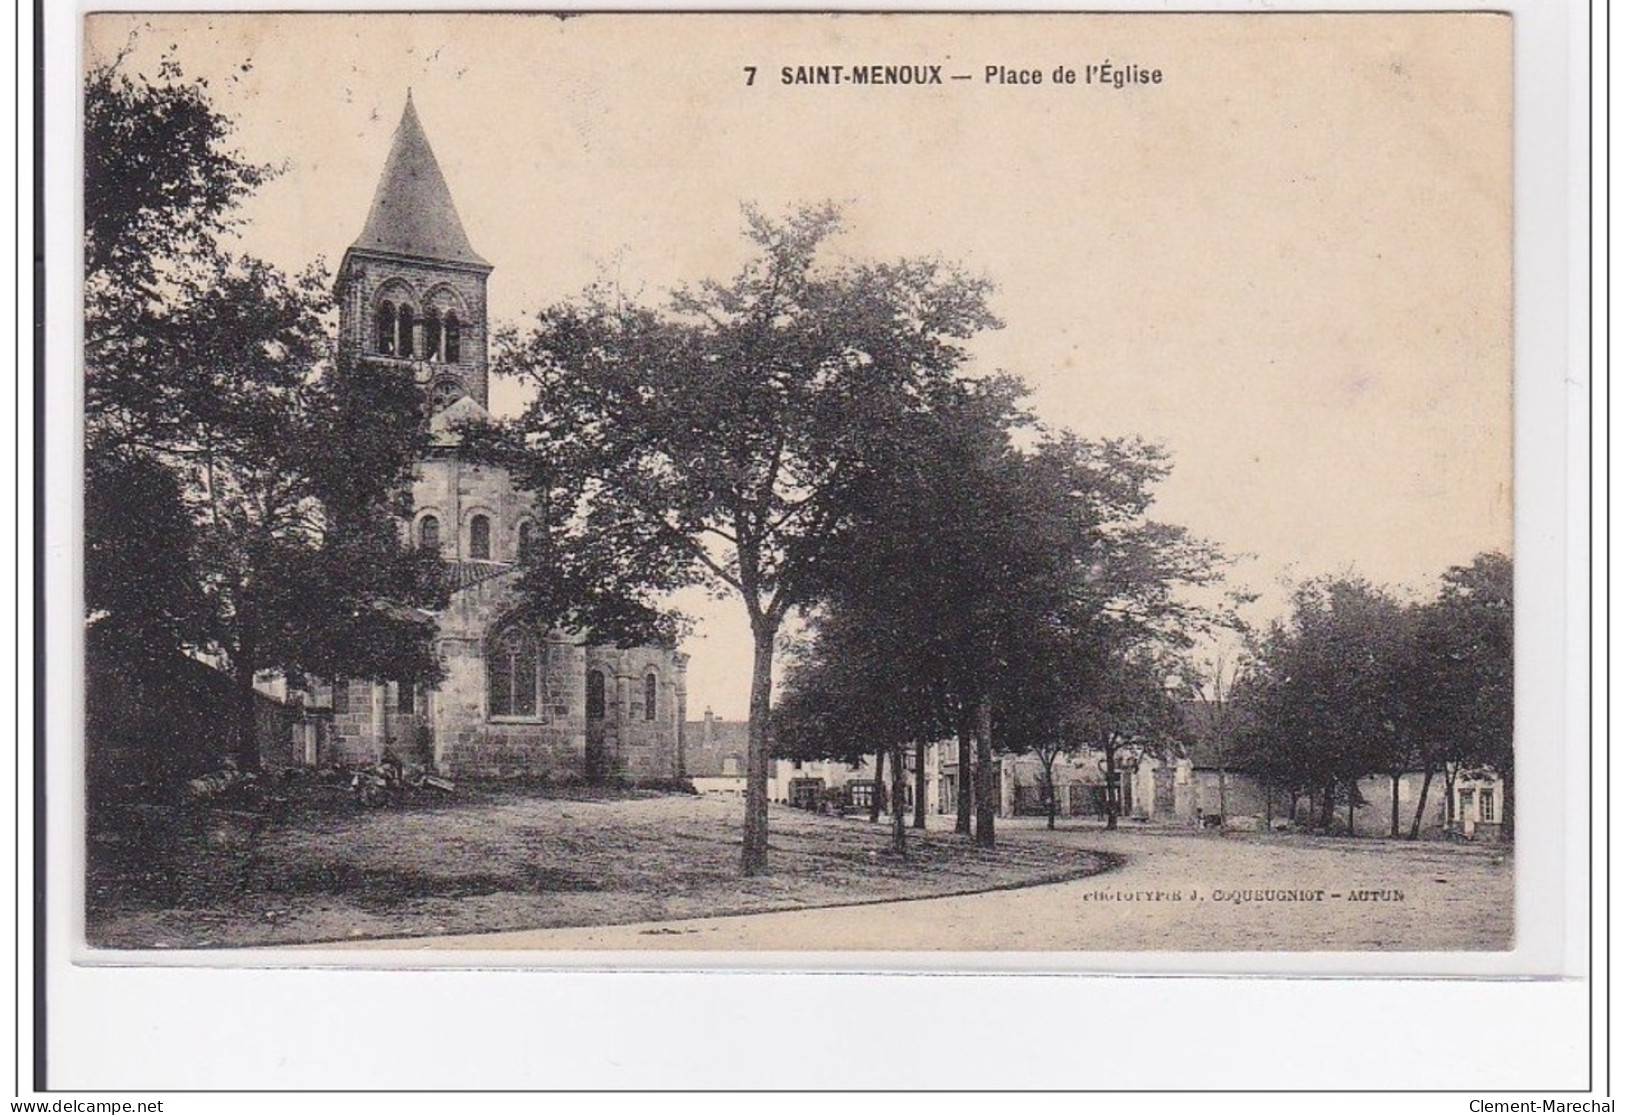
<point>516,699</point>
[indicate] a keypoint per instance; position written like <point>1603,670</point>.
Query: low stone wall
<point>515,751</point>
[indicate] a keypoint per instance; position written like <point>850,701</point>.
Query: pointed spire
<point>412,211</point>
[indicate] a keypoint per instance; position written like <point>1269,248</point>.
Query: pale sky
<point>1289,261</point>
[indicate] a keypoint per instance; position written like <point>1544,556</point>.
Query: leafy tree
<point>1463,676</point>
<point>850,693</point>
<point>1396,745</point>
<point>140,593</point>
<point>1113,597</point>
<point>1039,710</point>
<point>1000,579</point>
<point>161,184</point>
<point>1128,712</point>
<point>719,438</point>
<point>1213,688</point>
<point>1327,699</point>
<point>294,481</point>
<point>831,707</point>
<point>237,501</point>
<point>1357,683</point>
<point>917,558</point>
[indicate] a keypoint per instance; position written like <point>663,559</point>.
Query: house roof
<point>412,212</point>
<point>702,758</point>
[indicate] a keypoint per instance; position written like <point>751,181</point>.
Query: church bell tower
<point>411,288</point>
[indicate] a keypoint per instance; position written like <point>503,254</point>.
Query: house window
<point>403,332</point>
<point>341,696</point>
<point>595,695</point>
<point>651,689</point>
<point>386,329</point>
<point>406,695</point>
<point>1465,804</point>
<point>1486,806</point>
<point>429,533</point>
<point>527,540</point>
<point>513,673</point>
<point>454,339</point>
<point>479,538</point>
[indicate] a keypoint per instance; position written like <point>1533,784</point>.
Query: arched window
<point>513,673</point>
<point>454,339</point>
<point>595,695</point>
<point>431,336</point>
<point>527,540</point>
<point>403,332</point>
<point>386,328</point>
<point>651,689</point>
<point>479,538</point>
<point>445,392</point>
<point>429,533</point>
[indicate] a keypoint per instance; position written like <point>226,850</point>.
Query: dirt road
<point>1174,891</point>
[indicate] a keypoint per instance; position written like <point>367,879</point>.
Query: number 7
<point>750,75</point>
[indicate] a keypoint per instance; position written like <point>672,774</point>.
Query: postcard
<point>817,483</point>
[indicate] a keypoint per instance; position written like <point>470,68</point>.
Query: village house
<point>1192,786</point>
<point>714,754</point>
<point>714,761</point>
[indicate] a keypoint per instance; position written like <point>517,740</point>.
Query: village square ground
<point>1172,890</point>
<point>520,870</point>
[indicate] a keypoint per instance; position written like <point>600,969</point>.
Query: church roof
<point>461,575</point>
<point>412,211</point>
<point>442,427</point>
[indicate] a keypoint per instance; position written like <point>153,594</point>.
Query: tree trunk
<point>987,793</point>
<point>1422,803</point>
<point>919,785</point>
<point>1506,804</point>
<point>1328,804</point>
<point>1353,790</point>
<point>879,795</point>
<point>753,859</point>
<point>1049,791</point>
<point>246,748</point>
<point>1113,790</point>
<point>1224,808</point>
<point>899,784</point>
<point>963,810</point>
<point>1393,828</point>
<point>1450,772</point>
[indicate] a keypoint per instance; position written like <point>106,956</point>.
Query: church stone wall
<point>468,741</point>
<point>414,252</point>
<point>369,278</point>
<point>454,491</point>
<point>353,737</point>
<point>634,744</point>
